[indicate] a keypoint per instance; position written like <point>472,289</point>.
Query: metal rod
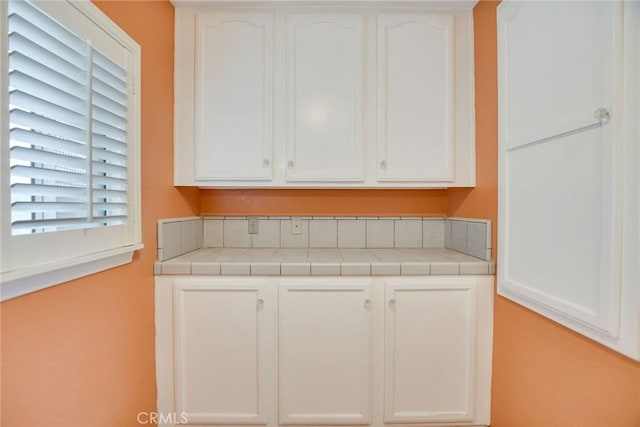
<point>602,114</point>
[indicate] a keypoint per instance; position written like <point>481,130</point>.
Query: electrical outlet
<point>253,225</point>
<point>296,226</point>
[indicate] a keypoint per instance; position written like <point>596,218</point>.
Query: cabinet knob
<point>290,165</point>
<point>260,304</point>
<point>392,304</point>
<point>383,165</point>
<point>266,163</point>
<point>367,304</point>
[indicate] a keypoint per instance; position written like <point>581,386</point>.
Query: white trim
<point>5,196</point>
<point>103,22</point>
<point>103,250</point>
<point>435,4</point>
<point>17,283</point>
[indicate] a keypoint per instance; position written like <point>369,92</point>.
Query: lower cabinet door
<point>224,351</point>
<point>430,351</point>
<point>325,352</point>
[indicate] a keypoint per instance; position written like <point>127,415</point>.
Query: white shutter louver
<point>68,128</point>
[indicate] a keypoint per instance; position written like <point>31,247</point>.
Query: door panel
<point>223,359</point>
<point>325,84</point>
<point>325,353</point>
<point>560,190</point>
<point>416,79</point>
<point>430,352</point>
<point>233,95</point>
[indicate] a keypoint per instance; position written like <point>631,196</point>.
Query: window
<point>70,144</point>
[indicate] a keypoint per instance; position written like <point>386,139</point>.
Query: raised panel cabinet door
<point>225,352</point>
<point>233,95</point>
<point>416,78</point>
<point>560,143</point>
<point>430,352</point>
<point>325,84</point>
<point>325,353</point>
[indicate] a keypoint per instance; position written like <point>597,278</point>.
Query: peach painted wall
<point>543,374</point>
<point>82,354</point>
<point>324,202</point>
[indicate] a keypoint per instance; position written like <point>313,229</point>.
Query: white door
<point>325,352</point>
<point>325,85</point>
<point>233,95</point>
<point>430,351</point>
<point>225,351</point>
<point>560,76</point>
<point>416,79</point>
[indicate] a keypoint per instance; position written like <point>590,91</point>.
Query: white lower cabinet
<point>324,351</point>
<point>431,350</point>
<point>224,358</point>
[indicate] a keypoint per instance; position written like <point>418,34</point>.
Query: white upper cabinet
<point>325,88</point>
<point>416,78</point>
<point>300,95</point>
<point>568,113</point>
<point>233,95</point>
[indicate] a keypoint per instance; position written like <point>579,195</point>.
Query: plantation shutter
<point>68,128</point>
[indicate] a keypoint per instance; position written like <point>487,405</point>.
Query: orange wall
<point>82,354</point>
<point>543,374</point>
<point>324,202</point>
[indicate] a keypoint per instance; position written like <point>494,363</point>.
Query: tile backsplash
<point>469,236</point>
<point>178,236</point>
<point>325,232</point>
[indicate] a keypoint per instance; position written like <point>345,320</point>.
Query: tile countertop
<point>323,262</point>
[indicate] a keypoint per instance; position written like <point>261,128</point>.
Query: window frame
<point>18,278</point>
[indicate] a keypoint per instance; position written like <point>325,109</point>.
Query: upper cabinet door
<point>324,84</point>
<point>233,95</point>
<point>416,79</point>
<point>560,75</point>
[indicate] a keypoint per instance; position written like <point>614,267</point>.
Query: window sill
<point>21,282</point>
